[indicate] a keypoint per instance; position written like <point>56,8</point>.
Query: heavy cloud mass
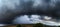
<point>9,9</point>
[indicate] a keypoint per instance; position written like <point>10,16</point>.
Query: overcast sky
<point>34,18</point>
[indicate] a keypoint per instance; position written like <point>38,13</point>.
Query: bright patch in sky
<point>24,19</point>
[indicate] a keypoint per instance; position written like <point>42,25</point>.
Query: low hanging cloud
<point>34,20</point>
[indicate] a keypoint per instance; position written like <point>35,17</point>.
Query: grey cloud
<point>9,8</point>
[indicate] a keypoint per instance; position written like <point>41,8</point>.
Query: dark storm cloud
<point>11,8</point>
